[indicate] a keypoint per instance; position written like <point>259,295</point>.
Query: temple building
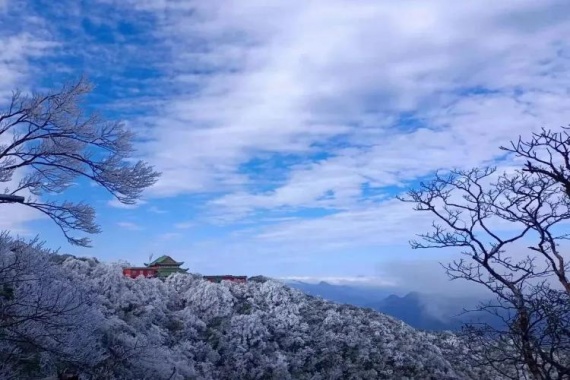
<point>161,268</point>
<point>134,272</point>
<point>166,265</point>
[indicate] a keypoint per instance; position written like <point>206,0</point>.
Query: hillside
<point>96,322</point>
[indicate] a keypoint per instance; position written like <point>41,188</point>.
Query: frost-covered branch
<point>50,140</point>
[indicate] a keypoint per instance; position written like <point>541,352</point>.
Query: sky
<point>284,129</point>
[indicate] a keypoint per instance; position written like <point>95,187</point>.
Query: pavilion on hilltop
<point>161,268</point>
<point>166,265</point>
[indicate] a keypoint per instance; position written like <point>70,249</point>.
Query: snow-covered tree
<point>47,320</point>
<point>187,328</point>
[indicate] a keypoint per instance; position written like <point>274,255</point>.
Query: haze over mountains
<point>423,311</point>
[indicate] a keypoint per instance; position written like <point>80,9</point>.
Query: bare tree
<point>51,141</point>
<point>484,214</point>
<point>547,154</point>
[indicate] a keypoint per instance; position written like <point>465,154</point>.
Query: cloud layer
<point>335,105</point>
<point>287,127</point>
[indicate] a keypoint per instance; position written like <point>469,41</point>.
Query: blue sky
<point>285,128</point>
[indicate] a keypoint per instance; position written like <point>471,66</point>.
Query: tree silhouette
<point>484,214</point>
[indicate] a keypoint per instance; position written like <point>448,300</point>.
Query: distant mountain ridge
<point>412,310</point>
<point>419,310</point>
<point>361,296</point>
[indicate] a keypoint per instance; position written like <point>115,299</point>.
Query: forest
<point>62,314</point>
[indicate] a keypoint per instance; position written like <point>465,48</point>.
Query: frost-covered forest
<point>60,312</point>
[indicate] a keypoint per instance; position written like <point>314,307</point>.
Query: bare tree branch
<point>53,141</point>
<point>482,214</point>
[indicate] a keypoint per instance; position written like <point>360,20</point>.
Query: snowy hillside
<point>103,325</point>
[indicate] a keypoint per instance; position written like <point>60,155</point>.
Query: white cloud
<point>156,210</point>
<point>355,281</point>
<point>13,218</point>
<point>117,204</point>
<point>427,276</point>
<point>184,225</point>
<point>327,69</point>
<point>17,48</point>
<point>386,223</point>
<point>169,236</point>
<point>129,226</point>
<point>390,92</point>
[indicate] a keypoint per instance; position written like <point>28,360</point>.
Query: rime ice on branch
<point>50,140</point>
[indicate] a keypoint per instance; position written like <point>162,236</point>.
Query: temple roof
<point>165,260</point>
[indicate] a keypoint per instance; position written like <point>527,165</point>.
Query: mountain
<point>411,309</point>
<point>422,311</point>
<point>348,294</point>
<point>86,316</point>
<point>435,312</point>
